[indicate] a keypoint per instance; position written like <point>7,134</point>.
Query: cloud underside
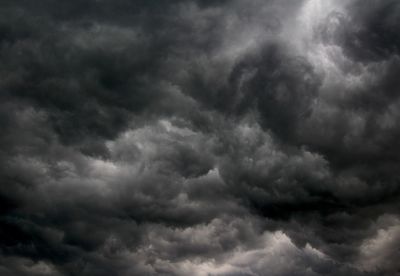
<point>199,137</point>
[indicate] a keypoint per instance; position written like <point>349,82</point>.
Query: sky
<point>200,137</point>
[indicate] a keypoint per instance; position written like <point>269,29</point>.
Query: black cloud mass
<point>200,137</point>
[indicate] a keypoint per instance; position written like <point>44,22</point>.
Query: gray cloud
<point>199,138</point>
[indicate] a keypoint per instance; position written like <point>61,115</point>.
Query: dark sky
<point>199,137</point>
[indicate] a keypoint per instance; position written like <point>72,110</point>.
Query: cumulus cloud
<point>199,137</point>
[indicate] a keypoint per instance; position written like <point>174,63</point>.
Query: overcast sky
<point>200,137</point>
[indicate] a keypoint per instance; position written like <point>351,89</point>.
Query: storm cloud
<point>200,137</point>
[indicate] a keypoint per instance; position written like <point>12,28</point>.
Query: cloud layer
<point>199,137</point>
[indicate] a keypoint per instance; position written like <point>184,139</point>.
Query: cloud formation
<point>199,137</point>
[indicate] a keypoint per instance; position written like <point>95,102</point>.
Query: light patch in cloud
<point>379,252</point>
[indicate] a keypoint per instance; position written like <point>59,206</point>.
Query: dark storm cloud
<point>362,116</point>
<point>281,86</point>
<point>367,32</point>
<point>199,137</point>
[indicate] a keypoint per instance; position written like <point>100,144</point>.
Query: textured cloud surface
<point>200,137</point>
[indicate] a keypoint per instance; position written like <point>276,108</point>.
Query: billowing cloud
<point>199,137</point>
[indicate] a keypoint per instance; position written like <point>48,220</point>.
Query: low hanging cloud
<point>199,137</point>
